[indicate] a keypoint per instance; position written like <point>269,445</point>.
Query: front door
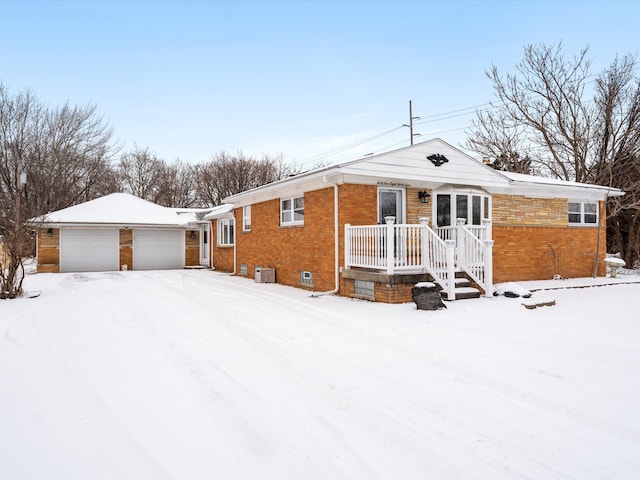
<point>390,204</point>
<point>204,244</point>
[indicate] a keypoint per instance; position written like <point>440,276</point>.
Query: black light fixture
<point>49,232</point>
<point>424,196</point>
<point>193,234</point>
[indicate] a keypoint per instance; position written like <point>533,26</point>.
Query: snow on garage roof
<point>121,209</point>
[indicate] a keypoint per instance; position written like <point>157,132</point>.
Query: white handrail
<point>418,248</point>
<point>475,258</point>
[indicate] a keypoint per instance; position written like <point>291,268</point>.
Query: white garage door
<point>89,249</point>
<point>158,249</point>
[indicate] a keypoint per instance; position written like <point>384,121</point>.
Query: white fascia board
<point>124,226</point>
<point>539,190</point>
<point>219,215</point>
<point>219,211</point>
<point>290,187</point>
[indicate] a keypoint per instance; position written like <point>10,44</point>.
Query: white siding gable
<point>410,164</point>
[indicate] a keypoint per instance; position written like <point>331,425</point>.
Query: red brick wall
<point>540,252</point>
<point>48,253</point>
<point>290,249</point>
<point>222,256</point>
<point>126,248</point>
<point>192,248</point>
<point>309,247</point>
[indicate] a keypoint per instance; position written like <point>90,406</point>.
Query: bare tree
<point>142,174</point>
<point>50,158</point>
<point>546,114</point>
<point>179,185</point>
<point>617,145</point>
<point>541,111</point>
<point>502,142</point>
<point>227,175</point>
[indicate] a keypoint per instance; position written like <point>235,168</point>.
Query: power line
<point>347,147</point>
<point>437,117</point>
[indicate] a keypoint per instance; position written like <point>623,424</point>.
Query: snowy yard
<point>194,374</point>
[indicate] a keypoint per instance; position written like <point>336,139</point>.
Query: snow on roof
<point>218,211</point>
<point>521,177</point>
<point>121,209</point>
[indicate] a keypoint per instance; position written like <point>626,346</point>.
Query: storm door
<point>390,204</point>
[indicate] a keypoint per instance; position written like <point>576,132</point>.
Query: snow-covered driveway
<point>194,374</point>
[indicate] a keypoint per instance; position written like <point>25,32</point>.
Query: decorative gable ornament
<point>437,159</point>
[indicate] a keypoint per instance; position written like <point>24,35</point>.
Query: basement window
<point>363,288</point>
<point>306,278</point>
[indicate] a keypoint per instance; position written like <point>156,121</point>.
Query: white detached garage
<point>118,231</point>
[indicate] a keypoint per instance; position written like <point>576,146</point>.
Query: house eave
<point>545,190</point>
<point>45,224</point>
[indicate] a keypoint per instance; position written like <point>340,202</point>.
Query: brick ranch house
<point>373,227</point>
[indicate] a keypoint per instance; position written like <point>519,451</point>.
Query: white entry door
<point>390,204</point>
<point>204,244</point>
<point>89,249</point>
<point>155,249</point>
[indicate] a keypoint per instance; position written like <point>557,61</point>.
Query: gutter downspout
<point>235,243</point>
<point>336,250</point>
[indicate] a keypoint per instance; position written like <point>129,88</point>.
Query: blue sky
<point>190,78</point>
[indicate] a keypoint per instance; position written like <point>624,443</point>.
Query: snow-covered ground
<point>195,374</point>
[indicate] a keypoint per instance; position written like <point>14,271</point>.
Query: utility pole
<point>410,125</point>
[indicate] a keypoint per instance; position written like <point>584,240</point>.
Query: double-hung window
<point>583,213</point>
<point>226,232</point>
<point>292,211</point>
<point>246,218</point>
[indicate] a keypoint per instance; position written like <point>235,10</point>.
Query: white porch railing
<point>417,248</point>
<point>475,257</point>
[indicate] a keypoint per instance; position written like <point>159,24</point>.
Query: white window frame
<point>246,218</point>
<point>291,211</point>
<point>226,232</point>
<point>582,213</point>
<point>401,211</point>
<point>486,205</point>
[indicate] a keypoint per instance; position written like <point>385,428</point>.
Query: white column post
<point>451,274</point>
<point>424,244</point>
<point>460,242</point>
<point>347,245</point>
<point>488,268</point>
<point>486,223</point>
<point>390,243</point>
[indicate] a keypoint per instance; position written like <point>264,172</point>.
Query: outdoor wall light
<point>424,196</point>
<point>49,232</point>
<point>193,234</point>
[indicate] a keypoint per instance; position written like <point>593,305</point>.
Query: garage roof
<point>121,209</point>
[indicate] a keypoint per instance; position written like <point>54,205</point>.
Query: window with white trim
<point>226,232</point>
<point>246,218</point>
<point>583,213</point>
<point>452,205</point>
<point>292,211</point>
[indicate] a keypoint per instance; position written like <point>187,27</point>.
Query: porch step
<point>463,289</point>
<point>463,293</point>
